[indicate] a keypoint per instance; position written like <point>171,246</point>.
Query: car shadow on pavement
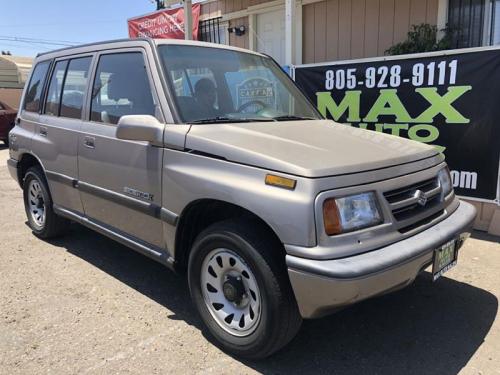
<point>426,328</point>
<point>484,236</point>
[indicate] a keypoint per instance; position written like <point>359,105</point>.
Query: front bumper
<point>321,286</point>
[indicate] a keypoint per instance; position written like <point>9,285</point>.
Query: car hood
<point>305,148</point>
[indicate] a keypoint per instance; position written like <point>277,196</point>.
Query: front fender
<point>189,177</point>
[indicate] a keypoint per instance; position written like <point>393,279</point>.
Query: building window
<point>213,31</point>
<point>474,23</point>
<point>494,30</point>
<point>466,21</point>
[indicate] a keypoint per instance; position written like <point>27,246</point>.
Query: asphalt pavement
<point>86,304</point>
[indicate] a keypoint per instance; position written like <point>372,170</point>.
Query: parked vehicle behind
<point>208,159</point>
<point>7,118</point>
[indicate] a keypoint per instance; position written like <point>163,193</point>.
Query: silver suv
<point>208,159</point>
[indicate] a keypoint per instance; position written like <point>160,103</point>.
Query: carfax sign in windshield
<point>448,101</point>
<point>257,90</point>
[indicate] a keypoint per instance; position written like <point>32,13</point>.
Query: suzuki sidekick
<point>209,160</point>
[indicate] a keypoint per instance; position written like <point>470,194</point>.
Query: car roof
<point>124,43</point>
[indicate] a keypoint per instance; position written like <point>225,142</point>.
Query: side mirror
<point>140,128</point>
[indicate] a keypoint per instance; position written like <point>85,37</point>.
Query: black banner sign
<point>449,101</point>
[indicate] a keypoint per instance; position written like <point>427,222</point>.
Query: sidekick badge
<point>138,194</point>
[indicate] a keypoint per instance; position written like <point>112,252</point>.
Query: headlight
<point>445,181</point>
<point>350,213</point>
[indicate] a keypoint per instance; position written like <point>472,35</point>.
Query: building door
<point>271,34</point>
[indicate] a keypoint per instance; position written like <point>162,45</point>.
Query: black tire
<point>262,252</point>
<point>53,225</point>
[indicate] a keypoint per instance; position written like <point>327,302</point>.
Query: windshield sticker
<point>256,90</point>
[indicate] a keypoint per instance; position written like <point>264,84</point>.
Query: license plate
<point>445,258</point>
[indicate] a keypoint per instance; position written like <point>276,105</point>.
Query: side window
<point>34,92</point>
<point>121,87</point>
<point>55,87</point>
<point>75,86</point>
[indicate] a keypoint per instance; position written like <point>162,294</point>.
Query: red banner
<point>164,24</point>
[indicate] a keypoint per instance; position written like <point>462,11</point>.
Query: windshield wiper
<point>225,120</point>
<point>292,118</point>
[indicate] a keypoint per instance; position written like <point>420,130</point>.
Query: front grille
<point>420,223</point>
<point>411,208</point>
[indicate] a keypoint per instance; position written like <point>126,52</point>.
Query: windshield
<point>212,85</point>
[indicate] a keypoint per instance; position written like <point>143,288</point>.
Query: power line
<point>39,40</point>
<point>29,46</point>
<point>64,43</point>
<point>80,22</point>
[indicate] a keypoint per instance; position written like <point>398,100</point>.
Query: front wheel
<point>239,284</point>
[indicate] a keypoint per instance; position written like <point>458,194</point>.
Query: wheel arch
<point>199,215</point>
<point>26,161</point>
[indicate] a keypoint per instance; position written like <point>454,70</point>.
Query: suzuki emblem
<point>421,197</point>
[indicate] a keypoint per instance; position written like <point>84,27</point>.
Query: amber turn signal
<point>283,182</point>
<point>331,217</point>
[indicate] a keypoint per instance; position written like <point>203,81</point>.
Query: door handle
<point>43,131</point>
<point>89,142</point>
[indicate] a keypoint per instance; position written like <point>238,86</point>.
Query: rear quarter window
<point>34,91</point>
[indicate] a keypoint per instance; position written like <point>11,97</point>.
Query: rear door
<point>56,139</point>
<point>120,181</point>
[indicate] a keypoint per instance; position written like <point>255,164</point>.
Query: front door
<point>271,34</point>
<point>120,181</point>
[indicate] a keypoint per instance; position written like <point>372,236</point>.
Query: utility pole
<point>188,14</point>
<point>160,4</point>
<point>188,20</point>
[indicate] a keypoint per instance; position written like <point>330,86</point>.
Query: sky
<point>65,21</point>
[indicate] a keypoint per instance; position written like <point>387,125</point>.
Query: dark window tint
<point>55,87</point>
<point>121,87</point>
<point>75,85</point>
<point>34,92</point>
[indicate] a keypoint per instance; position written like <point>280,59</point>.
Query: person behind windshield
<point>205,95</point>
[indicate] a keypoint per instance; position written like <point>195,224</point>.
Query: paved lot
<point>85,304</point>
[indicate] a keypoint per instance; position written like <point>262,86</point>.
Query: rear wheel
<point>38,205</point>
<point>239,284</point>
